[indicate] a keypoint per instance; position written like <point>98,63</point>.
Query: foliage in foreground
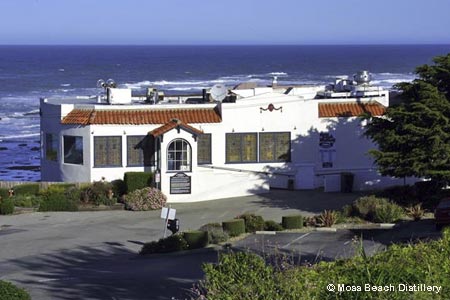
<point>246,276</point>
<point>8,291</point>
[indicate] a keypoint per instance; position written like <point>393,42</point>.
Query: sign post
<point>167,213</point>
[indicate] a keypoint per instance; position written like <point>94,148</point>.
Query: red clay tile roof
<point>174,123</point>
<point>141,117</point>
<point>329,110</point>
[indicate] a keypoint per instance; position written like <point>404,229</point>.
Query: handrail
<point>246,171</point>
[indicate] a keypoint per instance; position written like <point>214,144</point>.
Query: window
<point>241,147</point>
<point>204,149</point>
<point>179,156</point>
<point>274,146</point>
<point>135,150</point>
<point>107,151</point>
<point>73,149</point>
<point>51,147</point>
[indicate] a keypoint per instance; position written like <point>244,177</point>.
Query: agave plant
<point>328,218</point>
<point>416,212</point>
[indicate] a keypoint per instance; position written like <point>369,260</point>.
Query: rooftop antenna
<point>218,92</point>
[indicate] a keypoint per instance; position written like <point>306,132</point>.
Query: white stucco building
<point>279,137</point>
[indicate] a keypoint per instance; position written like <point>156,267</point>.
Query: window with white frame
<point>73,149</point>
<point>179,156</point>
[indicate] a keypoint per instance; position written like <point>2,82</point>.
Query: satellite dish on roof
<point>218,92</point>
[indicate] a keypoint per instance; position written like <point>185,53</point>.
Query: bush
<point>364,207</point>
<point>234,227</point>
<point>27,200</point>
<point>97,194</point>
<point>292,222</point>
<point>401,194</point>
<point>137,180</point>
<point>311,221</point>
<point>271,225</point>
<point>246,276</point>
<point>387,213</point>
<point>6,206</point>
<point>26,189</point>
<point>145,199</point>
<point>196,239</point>
<point>58,199</point>
<point>4,193</point>
<point>119,187</point>
<point>8,291</point>
<point>416,212</point>
<point>172,243</point>
<point>252,222</point>
<point>328,218</point>
<point>215,231</point>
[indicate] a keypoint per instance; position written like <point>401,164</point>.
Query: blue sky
<point>224,22</point>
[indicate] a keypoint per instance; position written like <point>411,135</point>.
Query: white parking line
<point>295,240</point>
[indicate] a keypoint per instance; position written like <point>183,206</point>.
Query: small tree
<point>413,137</point>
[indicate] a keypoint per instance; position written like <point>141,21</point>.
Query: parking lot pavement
<point>310,246</point>
<point>314,246</point>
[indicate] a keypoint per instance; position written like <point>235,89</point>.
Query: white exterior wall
<point>220,179</point>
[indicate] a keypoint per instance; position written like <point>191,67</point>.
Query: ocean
<point>28,73</point>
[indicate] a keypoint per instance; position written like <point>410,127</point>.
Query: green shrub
<point>26,189</point>
<point>145,199</point>
<point>137,180</point>
<point>119,187</point>
<point>8,291</point>
<point>196,239</point>
<point>26,200</point>
<point>328,218</point>
<point>6,206</point>
<point>97,194</point>
<point>252,222</point>
<point>387,213</point>
<point>58,199</point>
<point>402,194</point>
<point>364,207</point>
<point>215,231</point>
<point>4,193</point>
<point>271,225</point>
<point>416,212</point>
<point>234,227</point>
<point>348,211</point>
<point>172,243</point>
<point>292,222</point>
<point>245,275</point>
<point>311,221</point>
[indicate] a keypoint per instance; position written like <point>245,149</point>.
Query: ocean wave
<point>19,136</point>
<point>65,84</point>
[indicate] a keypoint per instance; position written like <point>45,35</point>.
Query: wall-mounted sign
<point>326,140</point>
<point>180,183</point>
<point>327,149</point>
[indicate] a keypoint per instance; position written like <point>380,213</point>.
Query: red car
<point>442,213</point>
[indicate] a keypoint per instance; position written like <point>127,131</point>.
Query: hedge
<point>196,239</point>
<point>137,180</point>
<point>7,206</point>
<point>9,291</point>
<point>4,193</point>
<point>292,222</point>
<point>234,227</point>
<point>171,243</point>
<point>55,199</point>
<point>252,222</point>
<point>26,189</point>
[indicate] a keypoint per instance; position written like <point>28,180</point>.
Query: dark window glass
<point>73,150</point>
<point>107,151</point>
<point>51,147</point>
<point>204,149</point>
<point>241,147</point>
<point>274,146</point>
<point>135,150</point>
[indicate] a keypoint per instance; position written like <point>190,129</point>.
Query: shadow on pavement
<point>111,272</point>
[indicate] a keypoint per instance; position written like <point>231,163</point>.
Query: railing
<point>247,171</point>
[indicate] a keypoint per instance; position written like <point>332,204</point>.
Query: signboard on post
<point>180,183</point>
<point>167,213</point>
